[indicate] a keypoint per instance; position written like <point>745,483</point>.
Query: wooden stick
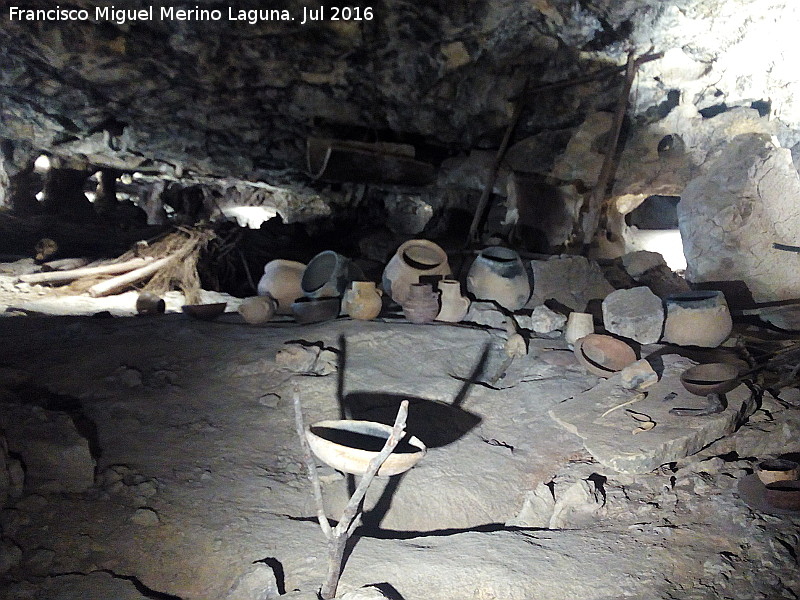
<point>73,274</point>
<point>65,264</point>
<point>119,283</point>
<point>337,545</point>
<point>597,200</point>
<point>498,159</point>
<point>311,467</point>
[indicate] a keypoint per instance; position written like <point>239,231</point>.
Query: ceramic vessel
<point>148,303</point>
<point>281,280</point>
<point>362,300</point>
<point>498,274</point>
<point>413,259</point>
<point>205,312</point>
<point>314,310</point>
<point>710,378</point>
<point>258,309</point>
<point>579,324</point>
<point>776,469</point>
<point>328,274</point>
<point>349,446</point>
<point>453,306</point>
<point>698,318</point>
<point>421,304</point>
<point>603,355</point>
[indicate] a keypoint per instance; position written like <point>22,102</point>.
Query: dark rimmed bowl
<point>603,355</point>
<point>315,310</point>
<point>205,312</point>
<point>710,378</point>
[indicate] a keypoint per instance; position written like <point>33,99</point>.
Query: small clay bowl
<point>205,312</point>
<point>148,303</point>
<point>603,355</point>
<point>777,469</point>
<point>314,310</point>
<point>783,494</point>
<point>349,446</point>
<point>710,378</point>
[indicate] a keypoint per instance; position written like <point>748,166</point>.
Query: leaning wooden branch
<point>73,274</point>
<point>343,530</point>
<point>597,200</point>
<point>119,283</point>
<point>498,159</point>
<point>311,467</point>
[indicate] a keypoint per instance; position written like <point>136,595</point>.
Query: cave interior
<point>521,222</point>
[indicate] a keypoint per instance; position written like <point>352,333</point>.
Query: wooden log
<point>73,274</point>
<point>65,264</point>
<point>119,283</point>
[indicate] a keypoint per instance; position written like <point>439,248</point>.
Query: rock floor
<point>200,491</point>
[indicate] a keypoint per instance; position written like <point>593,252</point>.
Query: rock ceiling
<point>238,99</point>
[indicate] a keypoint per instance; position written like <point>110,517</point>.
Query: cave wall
<point>228,104</point>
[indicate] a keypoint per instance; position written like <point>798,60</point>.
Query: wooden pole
<point>73,274</point>
<point>597,200</point>
<point>345,527</point>
<point>119,283</point>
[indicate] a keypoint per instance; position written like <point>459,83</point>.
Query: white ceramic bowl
<point>349,446</point>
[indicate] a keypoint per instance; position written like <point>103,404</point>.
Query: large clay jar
<point>699,318</point>
<point>281,280</point>
<point>328,274</point>
<point>362,300</point>
<point>258,309</point>
<point>421,304</point>
<point>453,306</point>
<point>498,274</point>
<point>413,259</point>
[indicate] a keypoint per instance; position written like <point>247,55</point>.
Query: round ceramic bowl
<point>349,446</point>
<point>314,310</point>
<point>783,494</point>
<point>603,355</point>
<point>710,378</point>
<point>148,303</point>
<point>777,469</point>
<point>205,312</point>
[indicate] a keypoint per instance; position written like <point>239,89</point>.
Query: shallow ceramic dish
<point>783,494</point>
<point>349,446</point>
<point>710,378</point>
<point>314,310</point>
<point>205,312</point>
<point>777,469</point>
<point>603,355</point>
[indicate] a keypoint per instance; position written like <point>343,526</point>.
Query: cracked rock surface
<point>505,505</point>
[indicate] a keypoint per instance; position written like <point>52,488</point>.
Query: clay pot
<point>362,301</point>
<point>349,446</point>
<point>498,274</point>
<point>413,259</point>
<point>314,310</point>
<point>698,318</point>
<point>328,274</point>
<point>422,303</point>
<point>281,280</point>
<point>148,303</point>
<point>579,324</point>
<point>453,306</point>
<point>710,378</point>
<point>603,355</point>
<point>258,309</point>
<point>776,469</point>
